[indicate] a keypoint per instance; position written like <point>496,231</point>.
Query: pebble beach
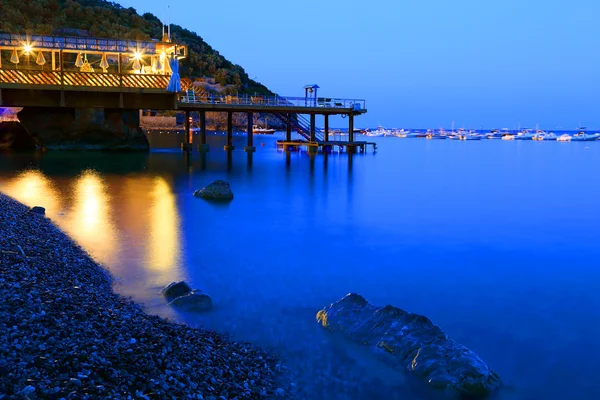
<point>65,334</point>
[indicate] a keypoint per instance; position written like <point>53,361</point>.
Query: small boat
<point>412,135</point>
<point>432,135</point>
<point>262,131</point>
<point>524,135</point>
<point>564,138</point>
<point>508,137</point>
<point>585,137</point>
<point>401,133</point>
<point>380,131</point>
<point>547,136</point>
<point>494,134</point>
<point>470,136</point>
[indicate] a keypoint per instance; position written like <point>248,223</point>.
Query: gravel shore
<point>64,333</point>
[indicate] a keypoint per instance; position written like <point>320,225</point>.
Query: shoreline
<point>64,332</point>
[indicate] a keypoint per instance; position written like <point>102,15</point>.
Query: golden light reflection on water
<point>146,217</point>
<point>164,243</point>
<point>91,223</point>
<point>33,188</point>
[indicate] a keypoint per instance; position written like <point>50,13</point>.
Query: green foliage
<point>103,18</point>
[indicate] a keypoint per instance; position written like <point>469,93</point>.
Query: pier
<point>97,73</point>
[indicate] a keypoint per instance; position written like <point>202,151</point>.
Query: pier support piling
<point>288,129</point>
<point>203,147</point>
<point>187,144</point>
<point>326,127</point>
<point>351,128</point>
<point>312,128</point>
<point>229,144</point>
<point>250,147</point>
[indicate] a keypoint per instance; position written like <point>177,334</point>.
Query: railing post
<point>62,79</point>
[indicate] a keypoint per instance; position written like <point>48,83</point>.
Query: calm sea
<point>496,241</point>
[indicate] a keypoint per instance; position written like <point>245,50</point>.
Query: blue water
<point>495,241</point>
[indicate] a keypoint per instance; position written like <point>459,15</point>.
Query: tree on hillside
<point>102,18</point>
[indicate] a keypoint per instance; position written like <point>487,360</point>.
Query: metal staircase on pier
<point>301,125</point>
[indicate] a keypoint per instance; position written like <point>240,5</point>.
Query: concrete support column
<point>326,126</point>
<point>351,128</point>
<point>288,129</point>
<point>312,127</point>
<point>229,143</point>
<point>203,147</point>
<point>250,147</point>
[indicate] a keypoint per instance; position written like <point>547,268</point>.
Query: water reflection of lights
<point>164,244</point>
<point>34,189</point>
<point>91,222</point>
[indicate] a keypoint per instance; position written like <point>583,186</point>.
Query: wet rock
<point>38,210</point>
<point>218,190</point>
<point>193,301</point>
<point>95,128</point>
<point>13,135</point>
<point>176,289</point>
<point>414,343</point>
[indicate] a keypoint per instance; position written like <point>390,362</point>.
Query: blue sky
<point>418,63</point>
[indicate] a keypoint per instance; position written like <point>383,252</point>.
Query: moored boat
<point>585,137</point>
<point>257,130</point>
<point>564,138</point>
<point>524,135</point>
<point>380,131</point>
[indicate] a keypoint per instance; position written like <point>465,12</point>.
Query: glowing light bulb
<point>27,49</point>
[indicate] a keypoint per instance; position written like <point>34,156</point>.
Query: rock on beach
<point>218,190</point>
<point>64,332</point>
<point>412,342</point>
<point>181,295</point>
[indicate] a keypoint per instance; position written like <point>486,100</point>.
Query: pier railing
<point>80,79</point>
<point>277,101</point>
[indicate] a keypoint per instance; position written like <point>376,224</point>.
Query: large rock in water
<point>84,128</point>
<point>14,136</point>
<point>218,190</point>
<point>176,289</point>
<point>413,342</point>
<point>181,295</point>
<point>195,300</point>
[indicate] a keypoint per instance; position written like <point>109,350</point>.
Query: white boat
<point>524,135</point>
<point>564,138</point>
<point>380,131</point>
<point>547,136</point>
<point>585,137</point>
<point>401,133</point>
<point>262,131</point>
<point>508,137</point>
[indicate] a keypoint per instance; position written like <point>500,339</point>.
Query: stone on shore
<point>176,289</point>
<point>218,190</point>
<point>181,295</point>
<point>38,210</point>
<point>195,300</point>
<point>414,343</point>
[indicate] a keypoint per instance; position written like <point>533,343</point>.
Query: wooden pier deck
<point>57,72</point>
<point>325,147</point>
